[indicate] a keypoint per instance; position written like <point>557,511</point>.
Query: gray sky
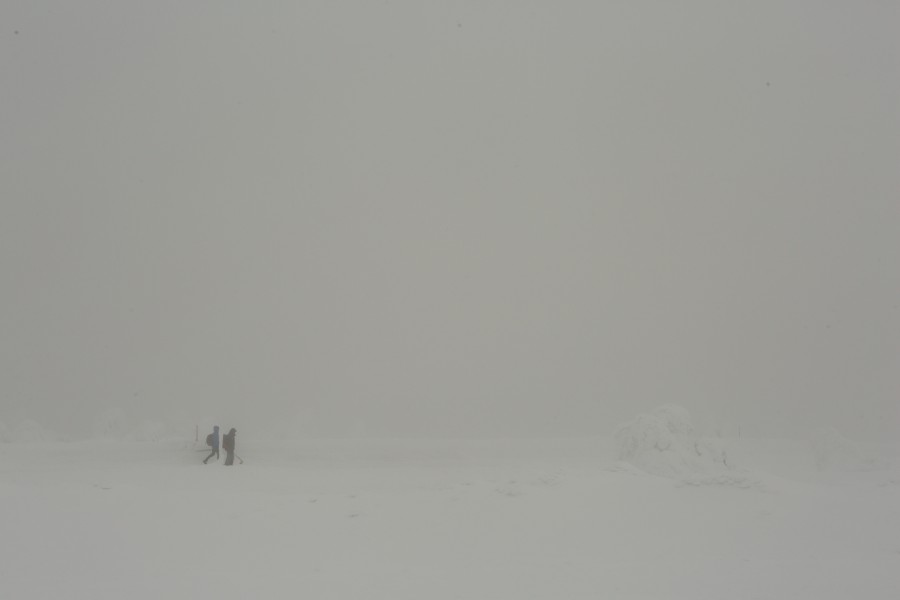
<point>451,218</point>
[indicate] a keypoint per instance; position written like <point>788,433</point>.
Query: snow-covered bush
<point>663,442</point>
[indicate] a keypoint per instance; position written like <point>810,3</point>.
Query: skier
<point>228,445</point>
<point>213,441</point>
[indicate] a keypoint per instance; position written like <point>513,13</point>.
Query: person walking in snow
<point>228,445</point>
<point>212,440</point>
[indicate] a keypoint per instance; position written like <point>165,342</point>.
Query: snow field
<point>417,519</point>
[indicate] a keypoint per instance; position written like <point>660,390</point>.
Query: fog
<point>451,218</point>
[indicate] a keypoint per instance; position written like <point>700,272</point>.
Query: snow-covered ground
<point>431,519</point>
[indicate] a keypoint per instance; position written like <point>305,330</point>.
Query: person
<point>228,445</point>
<point>213,440</point>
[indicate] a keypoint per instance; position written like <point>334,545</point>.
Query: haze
<point>451,218</point>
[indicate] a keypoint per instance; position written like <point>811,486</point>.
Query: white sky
<point>451,218</point>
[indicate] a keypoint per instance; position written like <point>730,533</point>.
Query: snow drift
<point>664,443</point>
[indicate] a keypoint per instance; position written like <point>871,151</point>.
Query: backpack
<point>209,439</point>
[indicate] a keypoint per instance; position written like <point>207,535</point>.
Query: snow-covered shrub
<point>663,442</point>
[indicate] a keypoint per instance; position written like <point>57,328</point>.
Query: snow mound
<point>834,452</point>
<point>663,443</point>
<point>30,431</point>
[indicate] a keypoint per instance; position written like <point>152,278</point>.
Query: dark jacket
<point>228,440</point>
<point>215,438</point>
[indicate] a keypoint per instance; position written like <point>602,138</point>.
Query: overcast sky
<point>451,218</point>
